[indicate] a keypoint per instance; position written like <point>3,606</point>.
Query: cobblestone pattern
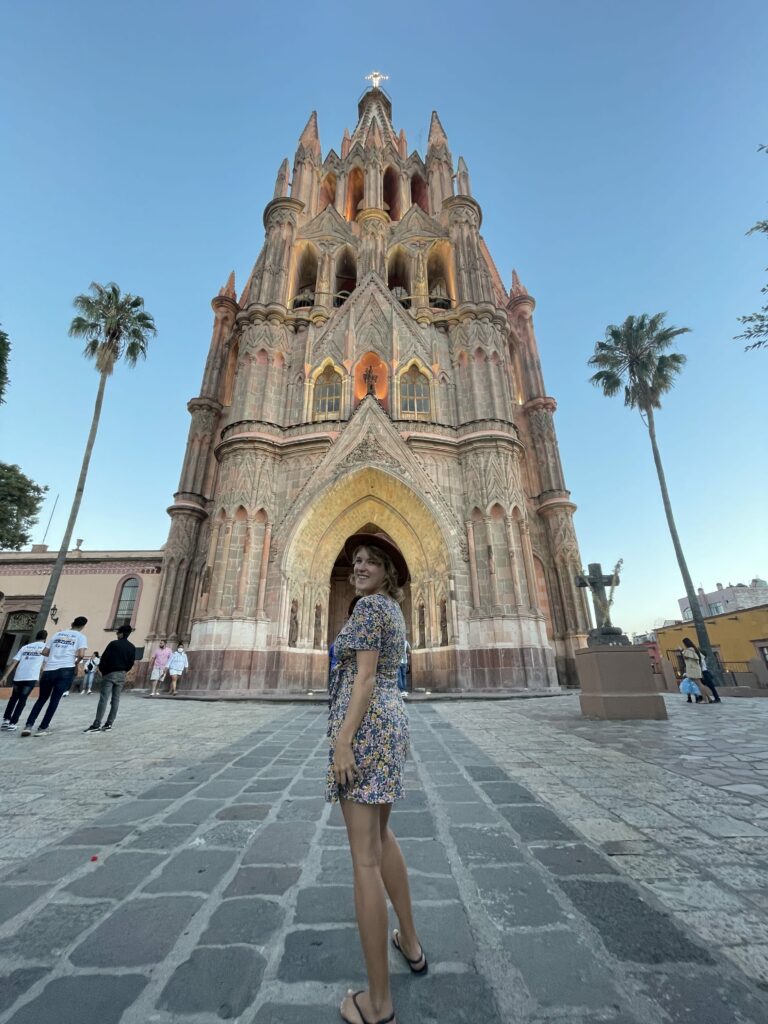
<point>85,774</point>
<point>223,893</point>
<point>681,807</point>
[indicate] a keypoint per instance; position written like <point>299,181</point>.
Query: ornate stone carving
<point>370,450</point>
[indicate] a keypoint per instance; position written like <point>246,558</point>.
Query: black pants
<point>709,681</point>
<point>16,704</point>
<point>52,686</point>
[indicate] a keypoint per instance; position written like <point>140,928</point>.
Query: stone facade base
<point>290,670</point>
<point>618,683</point>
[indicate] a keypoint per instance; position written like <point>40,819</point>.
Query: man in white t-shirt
<point>27,663</point>
<point>64,651</point>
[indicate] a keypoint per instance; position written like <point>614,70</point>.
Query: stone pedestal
<point>617,683</point>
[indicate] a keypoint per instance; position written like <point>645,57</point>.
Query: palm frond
<point>633,356</point>
<point>114,326</point>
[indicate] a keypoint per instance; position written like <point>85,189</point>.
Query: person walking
<point>368,736</point>
<point>402,673</point>
<point>64,652</point>
<point>159,666</point>
<point>27,663</point>
<point>695,666</point>
<point>178,663</point>
<point>90,671</point>
<point>116,662</point>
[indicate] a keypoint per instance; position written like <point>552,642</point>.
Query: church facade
<point>374,374</point>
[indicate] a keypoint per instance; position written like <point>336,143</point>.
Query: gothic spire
<point>346,144</point>
<point>437,136</point>
<point>518,289</point>
<point>281,183</point>
<point>310,138</point>
<point>375,108</point>
<point>462,178</point>
<point>228,289</point>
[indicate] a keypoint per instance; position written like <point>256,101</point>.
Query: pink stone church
<point>373,374</point>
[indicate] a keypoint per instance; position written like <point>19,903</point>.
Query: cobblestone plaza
<point>184,868</point>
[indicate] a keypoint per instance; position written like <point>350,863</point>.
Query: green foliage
<point>20,500</point>
<point>113,326</point>
<point>756,324</point>
<point>5,351</point>
<point>633,357</point>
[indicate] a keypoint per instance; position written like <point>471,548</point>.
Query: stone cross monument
<point>605,632</point>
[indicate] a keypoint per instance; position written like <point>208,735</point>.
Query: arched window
<point>392,193</point>
<point>355,192</point>
<point>306,276</point>
<point>419,192</point>
<point>414,393</point>
<point>346,276</point>
<point>438,264</point>
<point>328,395</point>
<point>126,602</point>
<point>327,192</point>
<point>398,277</point>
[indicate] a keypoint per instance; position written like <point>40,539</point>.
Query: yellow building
<point>739,639</point>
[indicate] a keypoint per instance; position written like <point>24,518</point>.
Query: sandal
<point>387,1020</point>
<point>411,963</point>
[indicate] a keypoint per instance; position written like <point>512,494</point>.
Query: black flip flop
<point>411,963</point>
<point>387,1020</point>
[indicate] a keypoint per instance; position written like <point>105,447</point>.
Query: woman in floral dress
<point>368,733</point>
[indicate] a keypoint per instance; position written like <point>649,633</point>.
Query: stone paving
<point>221,884</point>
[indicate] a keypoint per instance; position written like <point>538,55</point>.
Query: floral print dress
<point>380,745</point>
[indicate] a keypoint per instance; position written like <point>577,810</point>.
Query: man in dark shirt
<point>116,661</point>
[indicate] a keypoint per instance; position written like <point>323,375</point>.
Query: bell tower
<point>373,372</point>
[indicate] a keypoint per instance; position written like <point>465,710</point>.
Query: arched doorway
<point>315,569</point>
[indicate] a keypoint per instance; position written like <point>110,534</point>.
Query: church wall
<point>261,466</point>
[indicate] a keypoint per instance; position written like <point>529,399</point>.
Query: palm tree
<point>114,326</point>
<point>634,357</point>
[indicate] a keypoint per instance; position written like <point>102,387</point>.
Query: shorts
<point>157,673</point>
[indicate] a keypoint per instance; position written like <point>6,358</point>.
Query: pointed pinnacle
<point>346,144</point>
<point>374,135</point>
<point>281,182</point>
<point>517,287</point>
<point>228,290</point>
<point>402,144</point>
<point>310,137</point>
<point>437,134</point>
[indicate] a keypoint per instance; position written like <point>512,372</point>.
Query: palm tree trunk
<point>50,593</point>
<point>698,621</point>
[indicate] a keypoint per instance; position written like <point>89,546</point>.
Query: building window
<point>126,603</point>
<point>414,393</point>
<point>687,614</point>
<point>716,609</point>
<point>328,395</point>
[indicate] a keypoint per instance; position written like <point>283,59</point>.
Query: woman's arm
<point>344,767</point>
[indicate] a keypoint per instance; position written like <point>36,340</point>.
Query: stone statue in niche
<point>443,624</point>
<point>317,635</point>
<point>293,629</point>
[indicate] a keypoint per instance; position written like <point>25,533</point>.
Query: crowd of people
<point>54,665</point>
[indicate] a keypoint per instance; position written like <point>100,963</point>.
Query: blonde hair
<point>391,586</point>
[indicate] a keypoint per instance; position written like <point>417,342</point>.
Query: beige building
<point>108,587</point>
<point>374,373</point>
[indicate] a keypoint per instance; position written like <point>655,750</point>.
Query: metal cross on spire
<point>375,78</point>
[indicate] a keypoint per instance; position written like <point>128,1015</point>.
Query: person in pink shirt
<point>159,666</point>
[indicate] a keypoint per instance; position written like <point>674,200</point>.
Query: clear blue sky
<point>611,145</point>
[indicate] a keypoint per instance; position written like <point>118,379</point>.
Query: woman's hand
<point>344,767</point>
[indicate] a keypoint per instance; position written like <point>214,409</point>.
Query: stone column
<point>220,569</point>
<point>530,574</point>
<point>493,582</point>
<point>210,565</point>
<point>263,570</point>
<point>473,564</point>
<point>280,224</point>
<point>514,561</point>
<point>242,581</point>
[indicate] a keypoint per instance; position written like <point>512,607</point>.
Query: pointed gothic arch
<point>345,280</point>
<point>327,196</point>
<point>399,275</point>
<point>419,192</point>
<point>327,391</point>
<point>304,284</point>
<point>355,192</point>
<point>415,391</point>
<point>391,191</point>
<point>440,280</point>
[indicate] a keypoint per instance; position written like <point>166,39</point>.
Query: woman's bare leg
<point>363,831</point>
<point>394,874</point>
